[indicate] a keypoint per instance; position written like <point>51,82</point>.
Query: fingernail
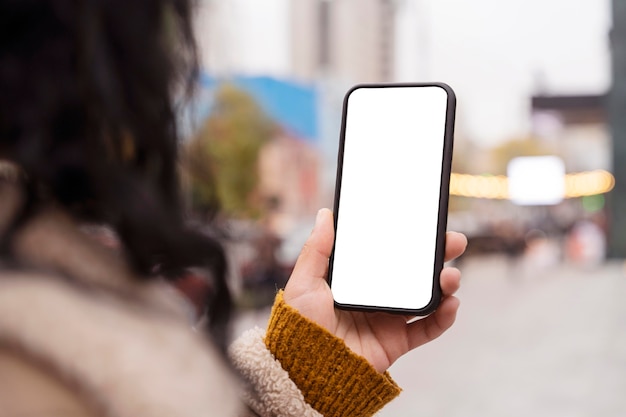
<point>318,218</point>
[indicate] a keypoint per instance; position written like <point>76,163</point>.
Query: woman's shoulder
<point>28,389</point>
<point>119,350</point>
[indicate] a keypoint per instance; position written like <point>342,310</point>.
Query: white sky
<point>494,51</point>
<point>490,51</point>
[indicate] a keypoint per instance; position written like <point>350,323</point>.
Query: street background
<point>542,326</point>
<point>526,343</point>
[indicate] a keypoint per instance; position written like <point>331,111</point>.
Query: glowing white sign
<point>536,180</point>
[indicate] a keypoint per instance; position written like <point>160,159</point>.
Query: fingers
<point>455,245</point>
<point>450,280</point>
<point>433,326</point>
<point>312,263</point>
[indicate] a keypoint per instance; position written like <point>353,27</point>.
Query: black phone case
<point>444,196</point>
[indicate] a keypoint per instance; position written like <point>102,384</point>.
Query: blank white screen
<point>389,203</point>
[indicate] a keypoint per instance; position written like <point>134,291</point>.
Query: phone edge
<point>444,197</point>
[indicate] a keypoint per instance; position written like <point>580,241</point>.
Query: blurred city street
<point>527,342</point>
<point>537,182</point>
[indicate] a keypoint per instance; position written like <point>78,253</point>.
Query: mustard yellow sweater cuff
<point>333,379</point>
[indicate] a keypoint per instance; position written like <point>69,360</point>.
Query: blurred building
<point>348,40</point>
<point>617,104</point>
<point>289,182</point>
<point>578,126</point>
<point>217,38</point>
<point>293,105</point>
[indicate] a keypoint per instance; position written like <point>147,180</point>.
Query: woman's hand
<point>381,338</point>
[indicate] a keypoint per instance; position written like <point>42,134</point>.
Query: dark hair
<point>88,110</point>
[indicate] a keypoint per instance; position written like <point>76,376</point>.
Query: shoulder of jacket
<point>22,381</point>
<point>131,360</point>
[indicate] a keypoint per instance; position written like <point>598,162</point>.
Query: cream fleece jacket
<point>104,344</point>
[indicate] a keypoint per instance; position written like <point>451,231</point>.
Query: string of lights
<point>578,184</point>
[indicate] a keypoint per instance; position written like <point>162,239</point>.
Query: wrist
<point>333,379</point>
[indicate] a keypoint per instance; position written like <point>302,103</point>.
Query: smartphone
<point>391,197</point>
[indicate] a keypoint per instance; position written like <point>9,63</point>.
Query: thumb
<point>312,264</point>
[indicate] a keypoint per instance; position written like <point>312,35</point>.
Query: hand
<point>381,338</point>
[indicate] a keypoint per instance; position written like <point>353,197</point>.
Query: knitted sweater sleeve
<point>299,368</point>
